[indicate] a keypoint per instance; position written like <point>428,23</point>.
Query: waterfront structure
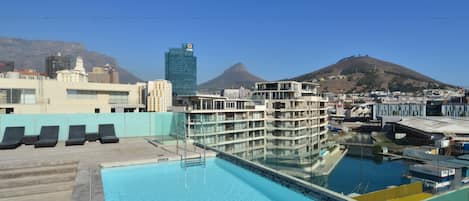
<point>433,177</point>
<point>160,96</point>
<point>296,122</point>
<point>235,126</point>
<point>57,62</point>
<point>181,70</point>
<point>105,74</point>
<point>77,74</point>
<point>25,96</point>
<point>426,130</point>
<point>7,66</point>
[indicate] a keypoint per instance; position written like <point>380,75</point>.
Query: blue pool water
<point>219,180</point>
<point>363,175</point>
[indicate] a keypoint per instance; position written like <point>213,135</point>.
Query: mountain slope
<point>233,77</point>
<point>364,73</point>
<point>32,54</point>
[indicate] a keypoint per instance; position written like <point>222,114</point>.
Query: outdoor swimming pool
<point>219,180</point>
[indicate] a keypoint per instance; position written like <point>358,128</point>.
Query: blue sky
<point>275,39</point>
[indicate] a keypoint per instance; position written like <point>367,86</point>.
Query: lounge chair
<point>48,137</point>
<point>12,137</point>
<point>76,135</point>
<point>107,134</point>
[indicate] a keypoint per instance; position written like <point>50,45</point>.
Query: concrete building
<point>56,63</point>
<point>7,66</point>
<point>296,122</point>
<point>181,70</point>
<point>105,74</point>
<point>77,74</point>
<point>160,98</point>
<point>27,96</point>
<point>235,126</point>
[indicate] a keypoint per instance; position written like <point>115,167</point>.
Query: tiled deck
<point>91,156</point>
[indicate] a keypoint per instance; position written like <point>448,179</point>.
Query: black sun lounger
<point>107,134</point>
<point>48,137</point>
<point>12,137</point>
<point>76,135</point>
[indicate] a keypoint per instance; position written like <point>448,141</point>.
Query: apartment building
<point>296,122</point>
<point>235,126</point>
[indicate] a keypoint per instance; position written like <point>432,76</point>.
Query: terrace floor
<point>88,160</point>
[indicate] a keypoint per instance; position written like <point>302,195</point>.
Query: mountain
<point>233,77</point>
<point>365,73</point>
<point>32,54</point>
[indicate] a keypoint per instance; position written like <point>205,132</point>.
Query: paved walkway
<point>91,157</point>
<point>329,162</point>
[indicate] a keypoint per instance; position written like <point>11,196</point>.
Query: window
<point>81,94</point>
<point>118,97</point>
<point>17,96</point>
<point>96,110</point>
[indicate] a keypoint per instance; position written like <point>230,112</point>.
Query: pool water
<point>219,180</point>
<point>363,175</point>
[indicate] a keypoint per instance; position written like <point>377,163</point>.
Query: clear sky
<point>274,39</point>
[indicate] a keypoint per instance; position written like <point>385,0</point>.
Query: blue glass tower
<point>181,70</point>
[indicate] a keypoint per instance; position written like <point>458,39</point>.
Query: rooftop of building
<point>444,125</point>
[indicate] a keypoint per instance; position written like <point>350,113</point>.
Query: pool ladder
<point>192,161</point>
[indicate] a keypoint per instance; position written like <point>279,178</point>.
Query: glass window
<point>4,96</point>
<point>17,96</point>
<point>81,94</point>
<point>28,96</point>
<point>118,97</point>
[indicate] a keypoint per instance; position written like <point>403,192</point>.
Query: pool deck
<point>92,156</point>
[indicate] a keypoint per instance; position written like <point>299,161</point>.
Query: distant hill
<point>233,77</point>
<point>365,73</point>
<point>32,54</point>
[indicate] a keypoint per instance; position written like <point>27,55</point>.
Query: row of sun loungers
<point>48,137</point>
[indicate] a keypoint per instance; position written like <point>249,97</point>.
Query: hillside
<point>32,54</point>
<point>365,73</point>
<point>233,77</point>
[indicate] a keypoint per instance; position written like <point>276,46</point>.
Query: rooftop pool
<point>218,180</point>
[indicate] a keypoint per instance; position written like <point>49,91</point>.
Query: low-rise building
<point>28,74</point>
<point>235,93</point>
<point>433,177</point>
<point>105,74</point>
<point>27,96</point>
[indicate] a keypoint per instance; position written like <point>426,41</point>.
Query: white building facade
<point>77,74</point>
